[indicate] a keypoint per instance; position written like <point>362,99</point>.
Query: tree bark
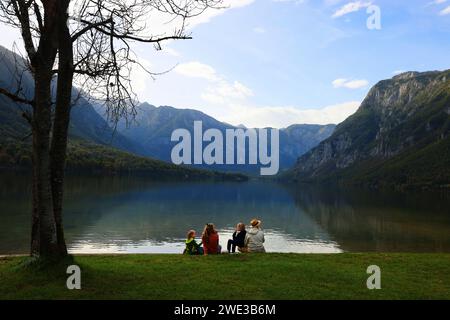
<point>61,127</point>
<point>44,239</point>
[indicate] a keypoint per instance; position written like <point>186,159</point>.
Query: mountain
<point>399,137</point>
<point>85,122</point>
<point>298,139</point>
<point>153,126</point>
<point>13,125</point>
<point>148,135</point>
<point>93,145</point>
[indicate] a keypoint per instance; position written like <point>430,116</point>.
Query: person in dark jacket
<point>192,247</point>
<point>238,238</point>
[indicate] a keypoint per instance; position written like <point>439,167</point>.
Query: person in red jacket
<point>210,239</point>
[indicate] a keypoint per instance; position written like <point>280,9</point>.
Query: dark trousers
<point>231,246</point>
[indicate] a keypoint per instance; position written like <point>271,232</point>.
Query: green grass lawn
<point>267,276</point>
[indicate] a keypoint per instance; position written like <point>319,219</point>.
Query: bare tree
<point>89,43</point>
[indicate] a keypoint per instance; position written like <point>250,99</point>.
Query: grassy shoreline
<point>235,277</point>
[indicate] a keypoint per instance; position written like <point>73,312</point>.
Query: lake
<point>134,215</point>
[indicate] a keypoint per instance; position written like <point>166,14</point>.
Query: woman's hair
<point>241,226</point>
<point>190,234</point>
<point>207,231</point>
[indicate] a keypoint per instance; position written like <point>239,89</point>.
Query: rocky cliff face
<point>407,111</point>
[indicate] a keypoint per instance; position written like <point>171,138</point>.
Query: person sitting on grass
<point>238,239</point>
<point>254,239</point>
<point>210,239</point>
<point>192,247</point>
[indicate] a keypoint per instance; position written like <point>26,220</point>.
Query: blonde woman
<point>254,239</point>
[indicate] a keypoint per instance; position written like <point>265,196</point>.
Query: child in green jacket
<point>192,247</point>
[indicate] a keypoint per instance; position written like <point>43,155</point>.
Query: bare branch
<point>112,33</point>
<point>89,27</point>
<point>21,11</point>
<point>27,117</point>
<point>103,33</point>
<point>15,97</point>
<point>37,12</point>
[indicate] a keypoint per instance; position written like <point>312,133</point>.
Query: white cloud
<point>445,11</point>
<point>436,2</point>
<point>211,13</point>
<point>282,117</point>
<point>139,75</point>
<point>10,37</point>
<point>229,101</point>
<point>197,69</point>
<point>351,7</point>
<point>218,90</point>
<point>350,84</point>
<point>170,51</point>
<point>397,72</point>
<point>224,92</point>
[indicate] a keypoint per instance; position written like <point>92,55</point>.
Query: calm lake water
<point>133,215</point>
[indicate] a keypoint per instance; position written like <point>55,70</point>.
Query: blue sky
<point>280,62</point>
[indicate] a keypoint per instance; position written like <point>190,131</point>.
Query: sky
<point>276,63</point>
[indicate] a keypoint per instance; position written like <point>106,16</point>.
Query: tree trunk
<point>61,127</point>
<point>49,147</point>
<point>44,241</point>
